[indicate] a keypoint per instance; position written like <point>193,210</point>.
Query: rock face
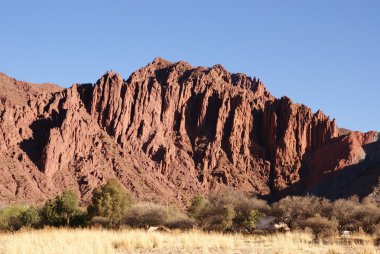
<point>170,131</point>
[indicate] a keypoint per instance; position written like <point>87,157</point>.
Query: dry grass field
<point>97,241</point>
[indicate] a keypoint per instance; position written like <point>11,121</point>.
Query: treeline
<point>225,211</point>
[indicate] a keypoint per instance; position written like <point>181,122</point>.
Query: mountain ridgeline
<point>171,131</point>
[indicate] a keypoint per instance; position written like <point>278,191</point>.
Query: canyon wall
<point>168,132</point>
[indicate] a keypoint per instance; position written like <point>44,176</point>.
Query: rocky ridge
<point>172,130</point>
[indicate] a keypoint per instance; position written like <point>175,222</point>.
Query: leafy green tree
<point>67,205</point>
<point>50,215</point>
<point>61,210</point>
<point>110,201</point>
<point>30,217</point>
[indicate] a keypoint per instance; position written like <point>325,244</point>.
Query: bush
<point>62,210</point>
<point>16,217</point>
<point>343,211</point>
<point>144,215</point>
<point>238,199</point>
<point>99,222</point>
<point>294,209</point>
<point>367,217</point>
<point>231,210</point>
<point>245,220</point>
<point>109,201</point>
<point>79,218</point>
<point>197,204</point>
<point>218,218</point>
<point>321,227</point>
<point>30,217</point>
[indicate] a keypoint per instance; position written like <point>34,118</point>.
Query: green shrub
<point>15,217</point>
<point>62,210</point>
<point>110,201</point>
<point>79,218</point>
<point>30,217</point>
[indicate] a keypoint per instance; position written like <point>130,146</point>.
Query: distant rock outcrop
<point>170,131</point>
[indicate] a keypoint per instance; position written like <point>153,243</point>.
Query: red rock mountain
<point>170,131</point>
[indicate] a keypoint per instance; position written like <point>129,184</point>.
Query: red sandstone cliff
<point>167,132</point>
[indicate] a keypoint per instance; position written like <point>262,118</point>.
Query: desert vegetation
<point>226,220</point>
<point>91,241</point>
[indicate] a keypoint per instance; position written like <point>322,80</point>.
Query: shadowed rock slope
<point>172,130</point>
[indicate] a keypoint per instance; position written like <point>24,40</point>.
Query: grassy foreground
<point>89,241</point>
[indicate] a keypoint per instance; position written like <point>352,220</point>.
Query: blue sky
<point>325,54</point>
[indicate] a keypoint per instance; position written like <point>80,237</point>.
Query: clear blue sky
<point>325,54</point>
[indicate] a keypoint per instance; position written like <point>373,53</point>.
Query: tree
<point>110,201</point>
<point>30,217</point>
<point>67,205</point>
<point>61,210</point>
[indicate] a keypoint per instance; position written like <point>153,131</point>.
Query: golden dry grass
<point>97,241</point>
